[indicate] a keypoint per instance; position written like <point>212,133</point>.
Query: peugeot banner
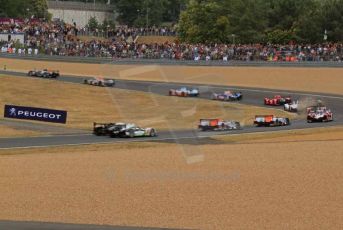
<point>37,114</point>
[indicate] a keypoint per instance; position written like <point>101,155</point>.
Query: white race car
<point>184,92</point>
<point>137,132</point>
<point>218,125</point>
<point>100,82</point>
<point>291,107</point>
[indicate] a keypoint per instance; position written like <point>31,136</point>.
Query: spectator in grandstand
<point>58,38</point>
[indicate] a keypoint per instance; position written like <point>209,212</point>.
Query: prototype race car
<point>184,92</point>
<point>319,114</point>
<point>122,130</point>
<point>136,132</point>
<point>109,129</point>
<point>291,107</point>
<point>99,82</point>
<point>218,125</point>
<point>271,120</point>
<point>44,73</point>
<point>227,96</point>
<point>277,100</point>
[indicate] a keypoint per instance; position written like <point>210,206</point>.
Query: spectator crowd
<point>57,38</point>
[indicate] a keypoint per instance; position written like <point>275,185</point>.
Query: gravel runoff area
<point>290,181</point>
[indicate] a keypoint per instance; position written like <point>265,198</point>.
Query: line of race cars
<point>318,113</point>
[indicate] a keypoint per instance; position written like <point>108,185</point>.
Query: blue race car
<point>227,96</point>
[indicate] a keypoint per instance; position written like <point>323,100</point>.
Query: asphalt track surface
<point>251,96</point>
<point>26,225</point>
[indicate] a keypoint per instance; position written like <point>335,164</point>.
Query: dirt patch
<point>315,134</point>
<point>155,39</point>
<point>6,131</point>
<point>87,104</point>
<point>294,185</point>
<point>322,80</point>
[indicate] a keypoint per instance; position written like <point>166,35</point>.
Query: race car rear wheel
<point>152,133</point>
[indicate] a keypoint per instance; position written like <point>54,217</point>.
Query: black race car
<point>44,73</point>
<point>122,130</point>
<point>107,129</point>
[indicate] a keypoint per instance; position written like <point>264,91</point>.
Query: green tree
<point>203,21</point>
<point>148,12</point>
<point>128,11</point>
<point>332,19</point>
<point>24,8</point>
<point>93,24</point>
<point>39,8</point>
<point>248,19</point>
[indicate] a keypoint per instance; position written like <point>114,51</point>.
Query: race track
<point>252,96</point>
<point>25,225</point>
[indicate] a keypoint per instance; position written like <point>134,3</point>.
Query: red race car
<point>277,100</point>
<point>319,114</point>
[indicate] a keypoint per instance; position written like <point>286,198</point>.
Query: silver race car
<point>99,82</point>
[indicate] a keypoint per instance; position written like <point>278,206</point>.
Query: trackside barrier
<point>128,61</point>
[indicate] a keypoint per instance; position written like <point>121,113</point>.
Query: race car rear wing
<point>96,124</point>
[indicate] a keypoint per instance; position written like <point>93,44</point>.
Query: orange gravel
<point>294,185</point>
<point>6,131</point>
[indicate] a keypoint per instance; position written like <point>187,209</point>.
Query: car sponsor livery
<point>36,114</point>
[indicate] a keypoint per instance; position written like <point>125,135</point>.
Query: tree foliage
<point>93,24</point>
<point>24,8</point>
<point>200,15</point>
<point>213,21</point>
<point>273,21</point>
<point>148,12</point>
